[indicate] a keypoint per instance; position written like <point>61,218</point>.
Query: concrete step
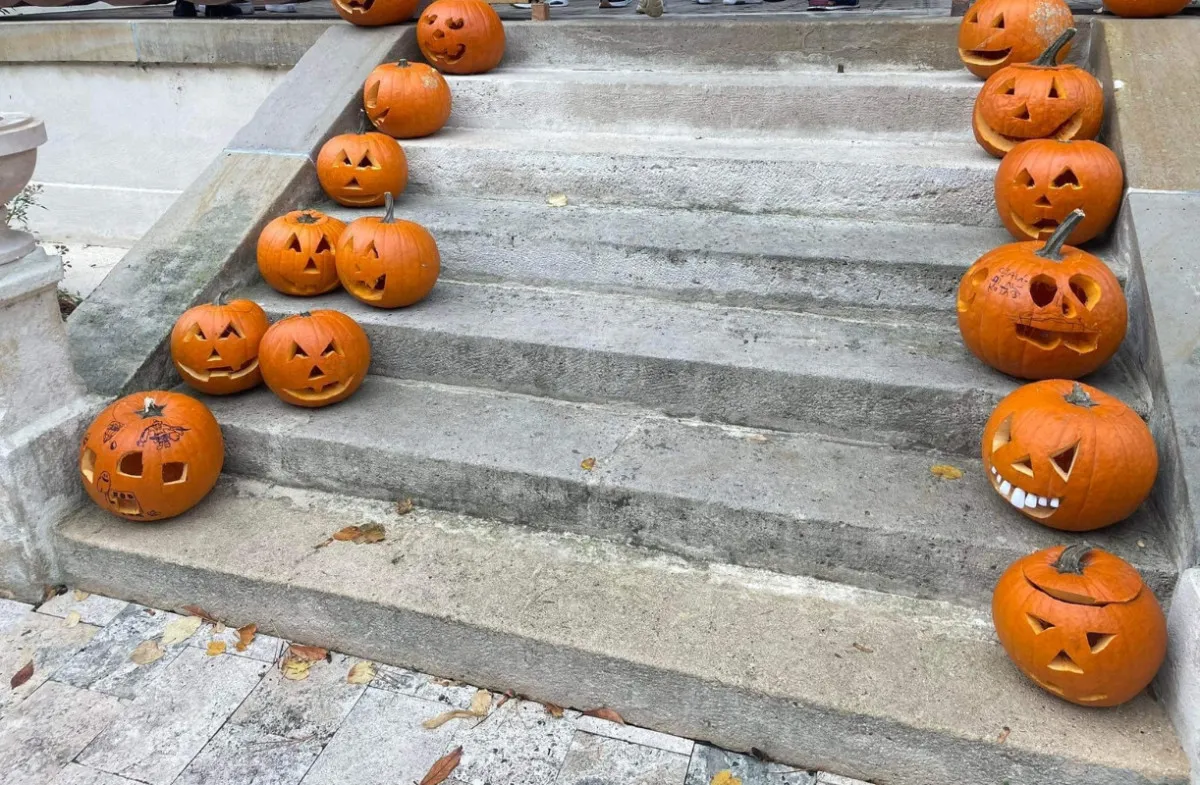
<point>941,181</point>
<point>911,385</point>
<point>856,513</point>
<point>816,675</point>
<point>763,261</point>
<point>787,103</point>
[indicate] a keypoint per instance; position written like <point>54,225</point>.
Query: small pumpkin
<point>1040,100</point>
<point>295,253</point>
<point>388,263</point>
<point>1081,624</point>
<point>151,455</point>
<point>356,170</point>
<point>215,346</point>
<point>406,100</point>
<point>461,36</point>
<point>1042,181</point>
<point>373,13</point>
<point>1069,456</point>
<point>1142,9</point>
<point>315,359</point>
<point>996,33</point>
<point>1039,311</point>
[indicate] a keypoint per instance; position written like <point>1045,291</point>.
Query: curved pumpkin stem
<point>1079,397</point>
<point>1052,250</point>
<point>306,217</point>
<point>402,63</point>
<point>221,299</point>
<point>363,121</point>
<point>1071,559</point>
<point>389,208</point>
<point>150,408</point>
<point>1049,58</point>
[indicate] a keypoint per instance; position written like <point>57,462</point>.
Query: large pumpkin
<point>1039,311</point>
<point>1069,456</point>
<point>1081,624</point>
<point>295,253</point>
<point>996,33</point>
<point>373,13</point>
<point>315,359</point>
<point>406,100</point>
<point>1040,100</point>
<point>1042,181</point>
<point>356,170</point>
<point>151,455</point>
<point>388,263</point>
<point>215,346</point>
<point>1141,9</point>
<point>461,36</point>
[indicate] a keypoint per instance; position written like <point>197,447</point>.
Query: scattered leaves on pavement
<point>443,768</point>
<point>81,595</point>
<point>863,648</point>
<point>50,592</point>
<point>181,629</point>
<point>480,705</point>
<point>215,648</point>
<point>606,713</point>
<point>196,610</point>
<point>725,778</point>
<point>22,676</point>
<point>554,710</point>
<point>363,535</point>
<point>299,659</point>
<point>246,636</point>
<point>587,464</point>
<point>308,653</point>
<point>147,652</point>
<point>557,200</point>
<point>405,506</point>
<point>72,619</point>
<point>361,673</point>
<point>946,471</point>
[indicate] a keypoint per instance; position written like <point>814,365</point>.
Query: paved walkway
<point>199,712</point>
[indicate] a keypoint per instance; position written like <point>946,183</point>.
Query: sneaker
<point>184,10</point>
<point>613,3</point>
<point>704,2</point>
<point>741,2</point>
<point>651,8</point>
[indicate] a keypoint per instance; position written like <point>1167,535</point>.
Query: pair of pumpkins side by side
<point>455,36</point>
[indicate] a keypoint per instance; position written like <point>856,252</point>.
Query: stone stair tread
<point>934,80</point>
<point>796,503</point>
<point>816,674</point>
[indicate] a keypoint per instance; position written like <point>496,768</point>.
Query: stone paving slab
<point>12,612</point>
<point>596,760</point>
<point>313,708</point>
<point>707,762</point>
<point>421,685</point>
<point>74,774</point>
<point>47,641</point>
<point>519,743</point>
<point>92,609</point>
<point>49,729</point>
<point>238,754</point>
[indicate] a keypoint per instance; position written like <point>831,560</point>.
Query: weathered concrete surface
<point>1179,680</point>
<point>48,730</point>
<point>922,700</point>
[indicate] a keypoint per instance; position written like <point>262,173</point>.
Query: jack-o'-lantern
<point>295,253</point>
<point>1042,181</point>
<point>461,36</point>
<point>1142,9</point>
<point>1042,311</point>
<point>1081,624</point>
<point>1069,456</point>
<point>151,455</point>
<point>388,263</point>
<point>996,33</point>
<point>406,100</point>
<point>315,359</point>
<point>1039,100</point>
<point>356,170</point>
<point>215,346</point>
<point>373,13</point>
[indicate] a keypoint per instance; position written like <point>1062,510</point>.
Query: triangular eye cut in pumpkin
<point>1064,460</point>
<point>1066,178</point>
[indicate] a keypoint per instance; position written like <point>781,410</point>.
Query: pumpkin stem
<point>402,63</point>
<point>1079,397</point>
<point>389,209</point>
<point>363,121</point>
<point>1052,250</point>
<point>1071,559</point>
<point>1049,58</point>
<point>221,299</point>
<point>308,217</point>
<point>151,409</point>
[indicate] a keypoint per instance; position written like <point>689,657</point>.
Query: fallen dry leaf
<point>72,619</point>
<point>181,629</point>
<point>147,652</point>
<point>218,628</point>
<point>405,506</point>
<point>215,648</point>
<point>22,676</point>
<point>293,669</point>
<point>863,648</point>
<point>757,437</point>
<point>347,534</point>
<point>307,653</point>
<point>606,713</point>
<point>557,200</point>
<point>480,704</point>
<point>196,610</point>
<point>587,464</point>
<point>361,673</point>
<point>725,778</point>
<point>554,710</point>
<point>372,532</point>
<point>50,592</point>
<point>1003,734</point>
<point>246,636</point>
<point>81,595</point>
<point>443,768</point>
<point>946,471</point>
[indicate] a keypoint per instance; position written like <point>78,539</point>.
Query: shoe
<point>228,11</point>
<point>613,3</point>
<point>704,2</point>
<point>741,2</point>
<point>651,8</point>
<point>281,8</point>
<point>184,10</point>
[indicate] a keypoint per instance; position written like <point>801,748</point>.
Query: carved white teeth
<point>1054,503</point>
<point>1031,501</point>
<point>1005,488</point>
<point>1043,501</point>
<point>1019,497</point>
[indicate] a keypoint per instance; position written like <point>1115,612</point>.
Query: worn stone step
<point>798,504</point>
<point>816,675</point>
<point>937,181</point>
<point>912,385</point>
<point>770,103</point>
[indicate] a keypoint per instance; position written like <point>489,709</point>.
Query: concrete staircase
<point>745,317</point>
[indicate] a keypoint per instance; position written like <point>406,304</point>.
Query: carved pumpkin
<point>1069,456</point>
<point>1042,311</point>
<point>151,455</point>
<point>356,170</point>
<point>1040,100</point>
<point>373,13</point>
<point>1042,181</point>
<point>1141,9</point>
<point>996,33</point>
<point>461,36</point>
<point>295,253</point>
<point>315,359</point>
<point>388,263</point>
<point>1081,624</point>
<point>406,100</point>
<point>215,346</point>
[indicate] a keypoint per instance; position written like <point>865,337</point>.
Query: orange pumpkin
<point>1042,311</point>
<point>215,346</point>
<point>295,253</point>
<point>356,170</point>
<point>996,33</point>
<point>1069,456</point>
<point>151,455</point>
<point>461,36</point>
<point>315,359</point>
<point>1042,181</point>
<point>373,13</point>
<point>1040,100</point>
<point>406,100</point>
<point>388,263</point>
<point>1141,9</point>
<point>1081,624</point>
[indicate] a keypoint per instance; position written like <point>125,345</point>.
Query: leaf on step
<point>347,534</point>
<point>606,713</point>
<point>72,619</point>
<point>307,653</point>
<point>22,676</point>
<point>50,592</point>
<point>557,200</point>
<point>587,464</point>
<point>946,471</point>
<point>215,648</point>
<point>361,673</point>
<point>293,669</point>
<point>181,629</point>
<point>725,778</point>
<point>480,705</point>
<point>147,652</point>
<point>205,616</point>
<point>219,628</point>
<point>372,532</point>
<point>405,506</point>
<point>863,648</point>
<point>246,636</point>
<point>554,710</point>
<point>80,595</point>
<point>1003,734</point>
<point>443,768</point>
<point>757,437</point>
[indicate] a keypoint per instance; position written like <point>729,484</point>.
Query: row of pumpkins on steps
<point>1076,620</point>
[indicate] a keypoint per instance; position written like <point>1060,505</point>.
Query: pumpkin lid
<point>1083,575</point>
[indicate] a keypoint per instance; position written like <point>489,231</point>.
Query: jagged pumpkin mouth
<point>1077,340</point>
<point>356,6</point>
<point>984,56</point>
<point>452,57</point>
<point>1040,229</point>
<point>1063,133</point>
<point>320,392</point>
<point>221,371</point>
<point>1041,507</point>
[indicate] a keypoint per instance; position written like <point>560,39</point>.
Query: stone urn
<point>20,136</point>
